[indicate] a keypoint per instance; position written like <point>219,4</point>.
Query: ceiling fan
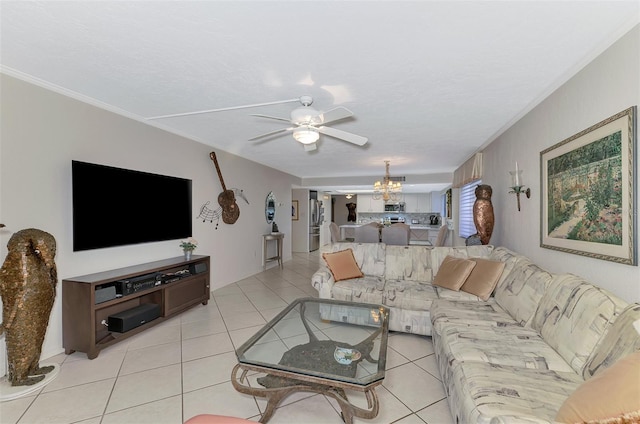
<point>307,122</point>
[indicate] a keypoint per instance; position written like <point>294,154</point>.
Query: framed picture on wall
<point>588,182</point>
<point>294,210</point>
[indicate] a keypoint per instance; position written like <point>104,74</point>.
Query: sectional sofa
<point>523,354</point>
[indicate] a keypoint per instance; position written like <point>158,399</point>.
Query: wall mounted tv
<point>117,207</point>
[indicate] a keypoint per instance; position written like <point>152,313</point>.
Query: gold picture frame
<point>294,210</point>
<point>588,191</point>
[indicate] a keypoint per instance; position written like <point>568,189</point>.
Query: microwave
<point>394,207</point>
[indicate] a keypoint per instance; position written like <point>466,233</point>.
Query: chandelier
<point>386,189</point>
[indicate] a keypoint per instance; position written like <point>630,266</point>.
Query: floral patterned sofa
<point>519,356</point>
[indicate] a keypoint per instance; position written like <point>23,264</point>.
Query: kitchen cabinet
<point>437,202</point>
<point>433,236</point>
<point>417,203</point>
<point>410,203</point>
<point>377,205</point>
<point>424,202</point>
<point>366,203</point>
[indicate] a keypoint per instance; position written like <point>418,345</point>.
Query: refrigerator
<point>316,216</point>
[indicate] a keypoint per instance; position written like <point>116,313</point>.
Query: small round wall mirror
<point>270,207</point>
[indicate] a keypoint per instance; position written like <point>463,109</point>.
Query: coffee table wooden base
<point>306,383</point>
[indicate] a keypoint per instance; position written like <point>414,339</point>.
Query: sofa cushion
<point>613,393</point>
<point>622,339</point>
<point>456,295</point>
<point>408,295</point>
<point>509,258</point>
<point>515,346</point>
<point>487,313</point>
<point>361,290</point>
<point>369,256</point>
<point>520,292</point>
<point>453,272</point>
<point>409,263</point>
<point>483,277</point>
<point>573,316</point>
<point>438,254</point>
<point>342,265</point>
<point>480,391</point>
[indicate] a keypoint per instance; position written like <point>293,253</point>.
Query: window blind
<point>467,199</point>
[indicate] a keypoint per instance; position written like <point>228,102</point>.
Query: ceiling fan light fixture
<point>306,135</point>
<point>304,115</point>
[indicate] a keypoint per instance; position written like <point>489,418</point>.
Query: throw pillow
<point>342,265</point>
<point>484,277</point>
<point>453,272</point>
<point>613,395</point>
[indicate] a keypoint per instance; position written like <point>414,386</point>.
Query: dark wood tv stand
<point>83,320</point>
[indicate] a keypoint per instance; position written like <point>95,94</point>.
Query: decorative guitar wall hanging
<point>228,210</point>
<point>209,214</point>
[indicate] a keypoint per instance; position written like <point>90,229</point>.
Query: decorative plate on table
<point>345,356</point>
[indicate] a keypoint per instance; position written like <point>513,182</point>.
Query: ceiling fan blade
<point>198,112</point>
<point>343,135</point>
<point>259,115</point>
<point>310,147</point>
<point>334,114</point>
<point>270,133</point>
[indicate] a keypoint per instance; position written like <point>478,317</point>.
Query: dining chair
<point>396,234</point>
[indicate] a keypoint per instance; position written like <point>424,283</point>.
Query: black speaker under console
<point>134,317</point>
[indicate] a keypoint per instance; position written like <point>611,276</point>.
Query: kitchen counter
<point>419,232</point>
<point>416,226</point>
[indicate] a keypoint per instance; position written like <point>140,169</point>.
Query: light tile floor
<point>182,368</point>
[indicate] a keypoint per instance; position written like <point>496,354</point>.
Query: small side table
<point>266,238</point>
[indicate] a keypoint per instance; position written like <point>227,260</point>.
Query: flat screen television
<point>117,207</point>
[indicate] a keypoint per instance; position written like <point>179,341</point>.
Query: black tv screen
<point>117,207</point>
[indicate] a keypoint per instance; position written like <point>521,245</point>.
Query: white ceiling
<point>430,82</point>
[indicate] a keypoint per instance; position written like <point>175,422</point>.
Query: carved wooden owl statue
<point>483,212</point>
<point>28,281</point>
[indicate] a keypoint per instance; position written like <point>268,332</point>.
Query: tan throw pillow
<point>483,278</point>
<point>612,395</point>
<point>453,272</point>
<point>342,265</point>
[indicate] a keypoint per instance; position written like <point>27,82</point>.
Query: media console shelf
<point>89,300</point>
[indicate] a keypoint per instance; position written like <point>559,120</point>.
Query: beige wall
<point>608,85</point>
<point>300,228</point>
<point>42,131</point>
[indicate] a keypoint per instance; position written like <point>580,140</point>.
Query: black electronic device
<point>134,317</point>
<point>168,278</point>
<point>116,207</point>
<point>105,293</point>
<point>137,284</point>
<point>198,268</point>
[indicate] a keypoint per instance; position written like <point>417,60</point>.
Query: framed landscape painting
<point>589,200</point>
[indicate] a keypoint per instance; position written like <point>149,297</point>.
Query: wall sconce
<point>516,185</point>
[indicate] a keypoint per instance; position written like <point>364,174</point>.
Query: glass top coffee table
<point>300,351</point>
